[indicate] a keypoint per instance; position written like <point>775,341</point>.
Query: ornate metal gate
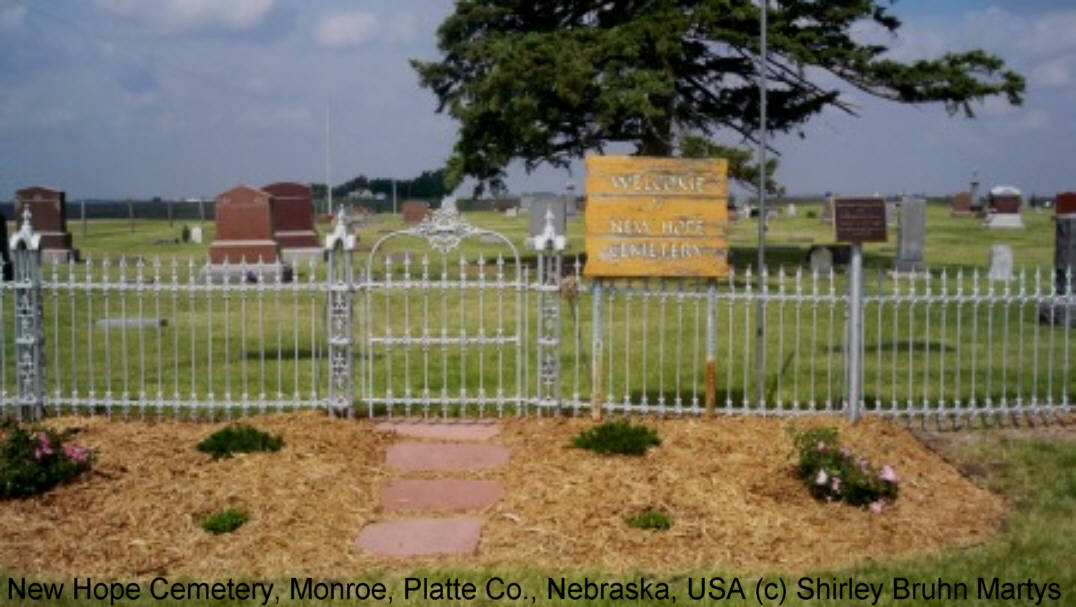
<point>440,334</point>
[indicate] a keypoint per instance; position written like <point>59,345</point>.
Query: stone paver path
<point>439,494</point>
<point>422,536</point>
<point>428,536</point>
<point>414,456</point>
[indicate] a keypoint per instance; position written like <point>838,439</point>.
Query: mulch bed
<point>727,483</point>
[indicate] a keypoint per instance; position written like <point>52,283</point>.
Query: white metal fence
<point>446,319</point>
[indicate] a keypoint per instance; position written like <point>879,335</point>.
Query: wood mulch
<point>727,483</point>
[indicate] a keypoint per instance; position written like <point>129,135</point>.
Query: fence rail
<point>439,333</point>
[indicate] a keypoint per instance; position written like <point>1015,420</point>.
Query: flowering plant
<point>33,461</point>
<point>834,472</point>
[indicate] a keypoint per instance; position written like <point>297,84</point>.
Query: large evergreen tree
<point>549,80</point>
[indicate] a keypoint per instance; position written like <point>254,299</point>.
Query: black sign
<point>859,219</point>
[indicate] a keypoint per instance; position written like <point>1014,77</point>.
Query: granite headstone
<point>48,217</point>
<point>414,211</point>
<point>911,236</point>
<point>244,222</point>
<point>293,221</point>
<point>1001,262</point>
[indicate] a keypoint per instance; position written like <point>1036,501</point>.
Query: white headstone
<point>1005,221</point>
<point>821,260</point>
<point>448,203</point>
<point>512,212</point>
<point>790,210</point>
<point>196,234</point>
<point>1001,262</point>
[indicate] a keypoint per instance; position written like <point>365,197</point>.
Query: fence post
<point>29,328</point>
<point>549,318</point>
<point>855,331</point>
<point>596,395</point>
<point>339,245</point>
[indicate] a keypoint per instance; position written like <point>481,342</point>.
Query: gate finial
<point>25,235</point>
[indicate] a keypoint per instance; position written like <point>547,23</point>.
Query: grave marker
<point>414,211</point>
<point>48,217</point>
<point>910,238</point>
<point>1001,262</point>
<point>656,217</point>
<point>293,221</point>
<point>961,205</point>
<point>244,228</point>
<point>1004,209</point>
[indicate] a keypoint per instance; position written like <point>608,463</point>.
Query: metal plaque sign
<point>860,219</point>
<point>656,217</point>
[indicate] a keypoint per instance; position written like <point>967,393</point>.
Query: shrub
<point>32,461</point>
<point>619,437</point>
<point>224,521</point>
<point>651,519</point>
<point>833,472</point>
<point>239,438</point>
<point>812,215</point>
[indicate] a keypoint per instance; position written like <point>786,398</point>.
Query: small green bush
<point>812,215</point>
<point>239,438</point>
<point>32,461</point>
<point>224,521</point>
<point>651,519</point>
<point>833,472</point>
<point>619,437</point>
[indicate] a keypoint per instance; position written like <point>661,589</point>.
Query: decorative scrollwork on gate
<point>445,229</point>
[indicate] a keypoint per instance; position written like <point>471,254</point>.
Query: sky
<point>184,98</point>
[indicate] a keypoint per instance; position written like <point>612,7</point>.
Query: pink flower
<point>821,446</point>
<point>877,506</point>
<point>863,464</point>
<point>888,475</point>
<point>77,453</point>
<point>845,451</point>
<point>43,439</point>
<point>822,477</point>
<point>835,485</point>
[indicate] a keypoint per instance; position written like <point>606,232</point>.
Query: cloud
<point>12,16</point>
<point>193,14</point>
<point>1052,74</point>
<point>342,30</point>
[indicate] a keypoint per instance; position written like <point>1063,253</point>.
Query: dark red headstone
<point>244,220</point>
<point>414,211</point>
<point>1065,203</point>
<point>48,217</point>
<point>961,204</point>
<point>293,215</point>
<point>1005,204</point>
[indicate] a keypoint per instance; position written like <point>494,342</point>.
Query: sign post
<point>857,220</point>
<point>648,217</point>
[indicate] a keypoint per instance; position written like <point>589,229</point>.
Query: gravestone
<point>1065,242</point>
<point>244,248</point>
<point>538,213</point>
<point>414,211</point>
<point>503,204</point>
<point>196,235</point>
<point>513,212</point>
<point>1063,312</point>
<point>961,206</point>
<point>1001,262</point>
<point>293,221</point>
<point>820,260</point>
<point>790,210</point>
<point>827,210</point>
<point>8,269</point>
<point>48,217</point>
<point>1004,209</point>
<point>911,235</point>
<point>892,212</point>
